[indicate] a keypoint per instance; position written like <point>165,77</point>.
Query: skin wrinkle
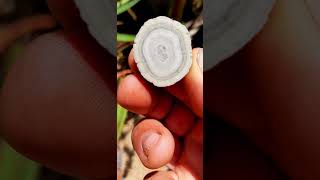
<point>172,122</point>
<point>154,106</point>
<point>158,102</point>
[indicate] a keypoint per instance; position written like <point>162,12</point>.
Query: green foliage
<point>14,166</point>
<point>121,118</point>
<point>124,5</point>
<point>125,37</point>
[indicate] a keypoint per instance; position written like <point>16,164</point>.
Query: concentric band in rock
<point>162,51</point>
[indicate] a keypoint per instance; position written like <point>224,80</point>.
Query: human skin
<point>268,90</point>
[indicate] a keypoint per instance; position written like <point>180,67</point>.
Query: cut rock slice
<point>162,51</point>
<point>100,16</point>
<point>230,25</point>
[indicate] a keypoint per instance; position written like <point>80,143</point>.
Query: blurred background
<point>131,15</point>
<point>20,22</point>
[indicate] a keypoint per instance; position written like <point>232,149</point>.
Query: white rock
<point>231,24</point>
<point>162,51</point>
<point>100,16</point>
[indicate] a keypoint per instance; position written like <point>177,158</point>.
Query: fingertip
<point>135,95</point>
<point>153,143</point>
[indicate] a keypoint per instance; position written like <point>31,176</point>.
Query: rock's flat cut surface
<point>162,51</point>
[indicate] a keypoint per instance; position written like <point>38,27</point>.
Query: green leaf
<point>14,166</point>
<point>125,37</point>
<point>121,118</point>
<point>124,7</point>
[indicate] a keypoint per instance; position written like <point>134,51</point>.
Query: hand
<point>173,130</point>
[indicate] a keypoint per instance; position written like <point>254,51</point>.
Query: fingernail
<point>149,176</point>
<point>156,175</point>
<point>149,140</point>
<point>200,59</point>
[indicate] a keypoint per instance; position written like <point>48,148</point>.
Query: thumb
<point>190,89</point>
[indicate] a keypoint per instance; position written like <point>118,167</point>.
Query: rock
<point>162,51</point>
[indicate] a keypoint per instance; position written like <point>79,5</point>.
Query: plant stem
<point>14,166</point>
<point>125,37</point>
